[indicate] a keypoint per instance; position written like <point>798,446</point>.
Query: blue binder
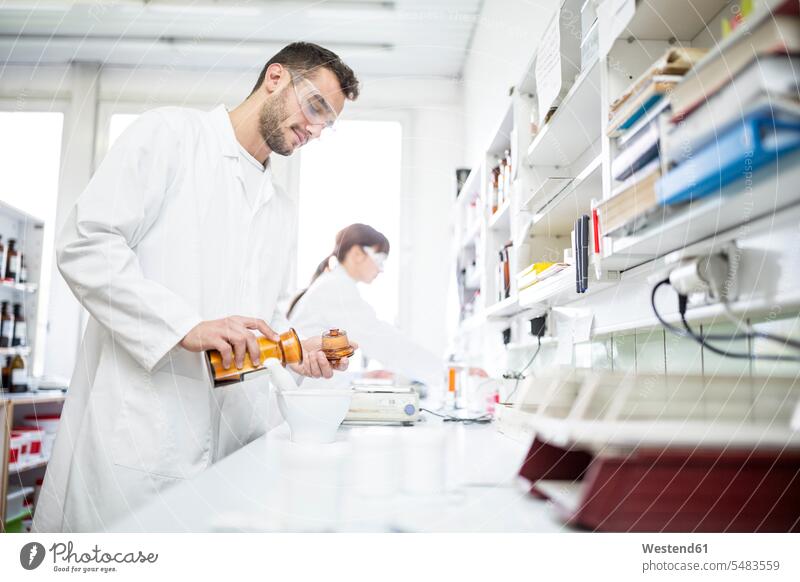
<point>738,151</point>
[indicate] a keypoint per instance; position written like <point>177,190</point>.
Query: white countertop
<point>275,485</point>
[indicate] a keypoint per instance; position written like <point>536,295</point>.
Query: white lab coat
<point>333,301</point>
<point>164,237</point>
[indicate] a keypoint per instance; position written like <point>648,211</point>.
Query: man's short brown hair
<point>305,57</point>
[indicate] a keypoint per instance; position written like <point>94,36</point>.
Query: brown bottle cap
<point>336,345</point>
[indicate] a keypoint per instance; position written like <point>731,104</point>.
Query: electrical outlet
<point>706,278</point>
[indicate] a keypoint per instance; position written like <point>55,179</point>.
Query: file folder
<point>755,141</point>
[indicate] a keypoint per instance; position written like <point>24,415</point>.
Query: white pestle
<point>281,378</point>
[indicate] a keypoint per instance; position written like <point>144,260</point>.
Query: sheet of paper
<point>582,326</point>
<point>579,321</point>
<point>548,68</point>
<point>564,351</point>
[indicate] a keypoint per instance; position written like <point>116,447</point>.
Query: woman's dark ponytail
<point>321,268</point>
<point>354,235</point>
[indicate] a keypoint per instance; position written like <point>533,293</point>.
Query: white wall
<point>433,146</point>
<point>506,36</point>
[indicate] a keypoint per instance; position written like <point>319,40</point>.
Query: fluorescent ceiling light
<point>326,9</point>
<point>44,6</point>
<point>349,10</point>
<point>207,8</point>
<point>188,44</point>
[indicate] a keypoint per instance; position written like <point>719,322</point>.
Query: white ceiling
<point>392,38</point>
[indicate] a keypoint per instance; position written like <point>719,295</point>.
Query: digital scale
<point>378,403</point>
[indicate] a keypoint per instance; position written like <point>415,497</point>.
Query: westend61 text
<point>672,549</point>
<point>65,553</point>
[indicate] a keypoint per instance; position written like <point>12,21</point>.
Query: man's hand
<point>231,336</point>
<point>315,364</point>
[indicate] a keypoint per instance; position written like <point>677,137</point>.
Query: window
<point>119,123</point>
<point>30,156</point>
<point>352,175</point>
<point>30,159</point>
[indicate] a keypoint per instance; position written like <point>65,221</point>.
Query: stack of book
<point>738,112</point>
<point>540,275</point>
<point>634,123</point>
<point>529,276</point>
<point>651,88</point>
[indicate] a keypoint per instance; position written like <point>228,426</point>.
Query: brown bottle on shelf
<point>507,174</point>
<point>22,276</point>
<point>18,374</point>
<point>12,261</point>
<point>2,259</point>
<point>502,179</point>
<point>6,326</point>
<point>495,195</point>
<point>288,350</point>
<point>6,386</point>
<point>19,335</point>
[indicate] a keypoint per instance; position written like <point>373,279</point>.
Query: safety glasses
<point>377,258</point>
<point>314,106</point>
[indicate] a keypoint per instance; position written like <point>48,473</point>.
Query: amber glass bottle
<point>12,261</point>
<point>22,276</point>
<point>6,387</point>
<point>18,374</point>
<point>288,351</point>
<point>2,259</point>
<point>336,345</point>
<point>19,336</point>
<point>6,326</point>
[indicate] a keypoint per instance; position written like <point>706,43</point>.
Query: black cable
<point>703,339</point>
<point>484,418</point>
<point>519,375</point>
<point>676,330</point>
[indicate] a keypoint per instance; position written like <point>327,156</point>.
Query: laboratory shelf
<point>530,343</point>
<point>559,214</point>
<point>742,30</point>
<point>547,190</point>
<point>27,466</point>
<point>772,191</point>
<point>574,127</point>
<point>21,350</point>
<point>471,234</point>
<point>560,289</point>
<point>21,287</point>
<point>23,398</point>
<point>670,19</point>
<point>501,138</point>
<point>508,307</point>
<point>500,220</point>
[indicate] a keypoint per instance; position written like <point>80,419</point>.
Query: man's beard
<point>273,114</point>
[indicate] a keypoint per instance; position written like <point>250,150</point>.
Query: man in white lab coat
<point>181,243</point>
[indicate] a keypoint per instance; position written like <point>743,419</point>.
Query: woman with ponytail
<point>332,299</point>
